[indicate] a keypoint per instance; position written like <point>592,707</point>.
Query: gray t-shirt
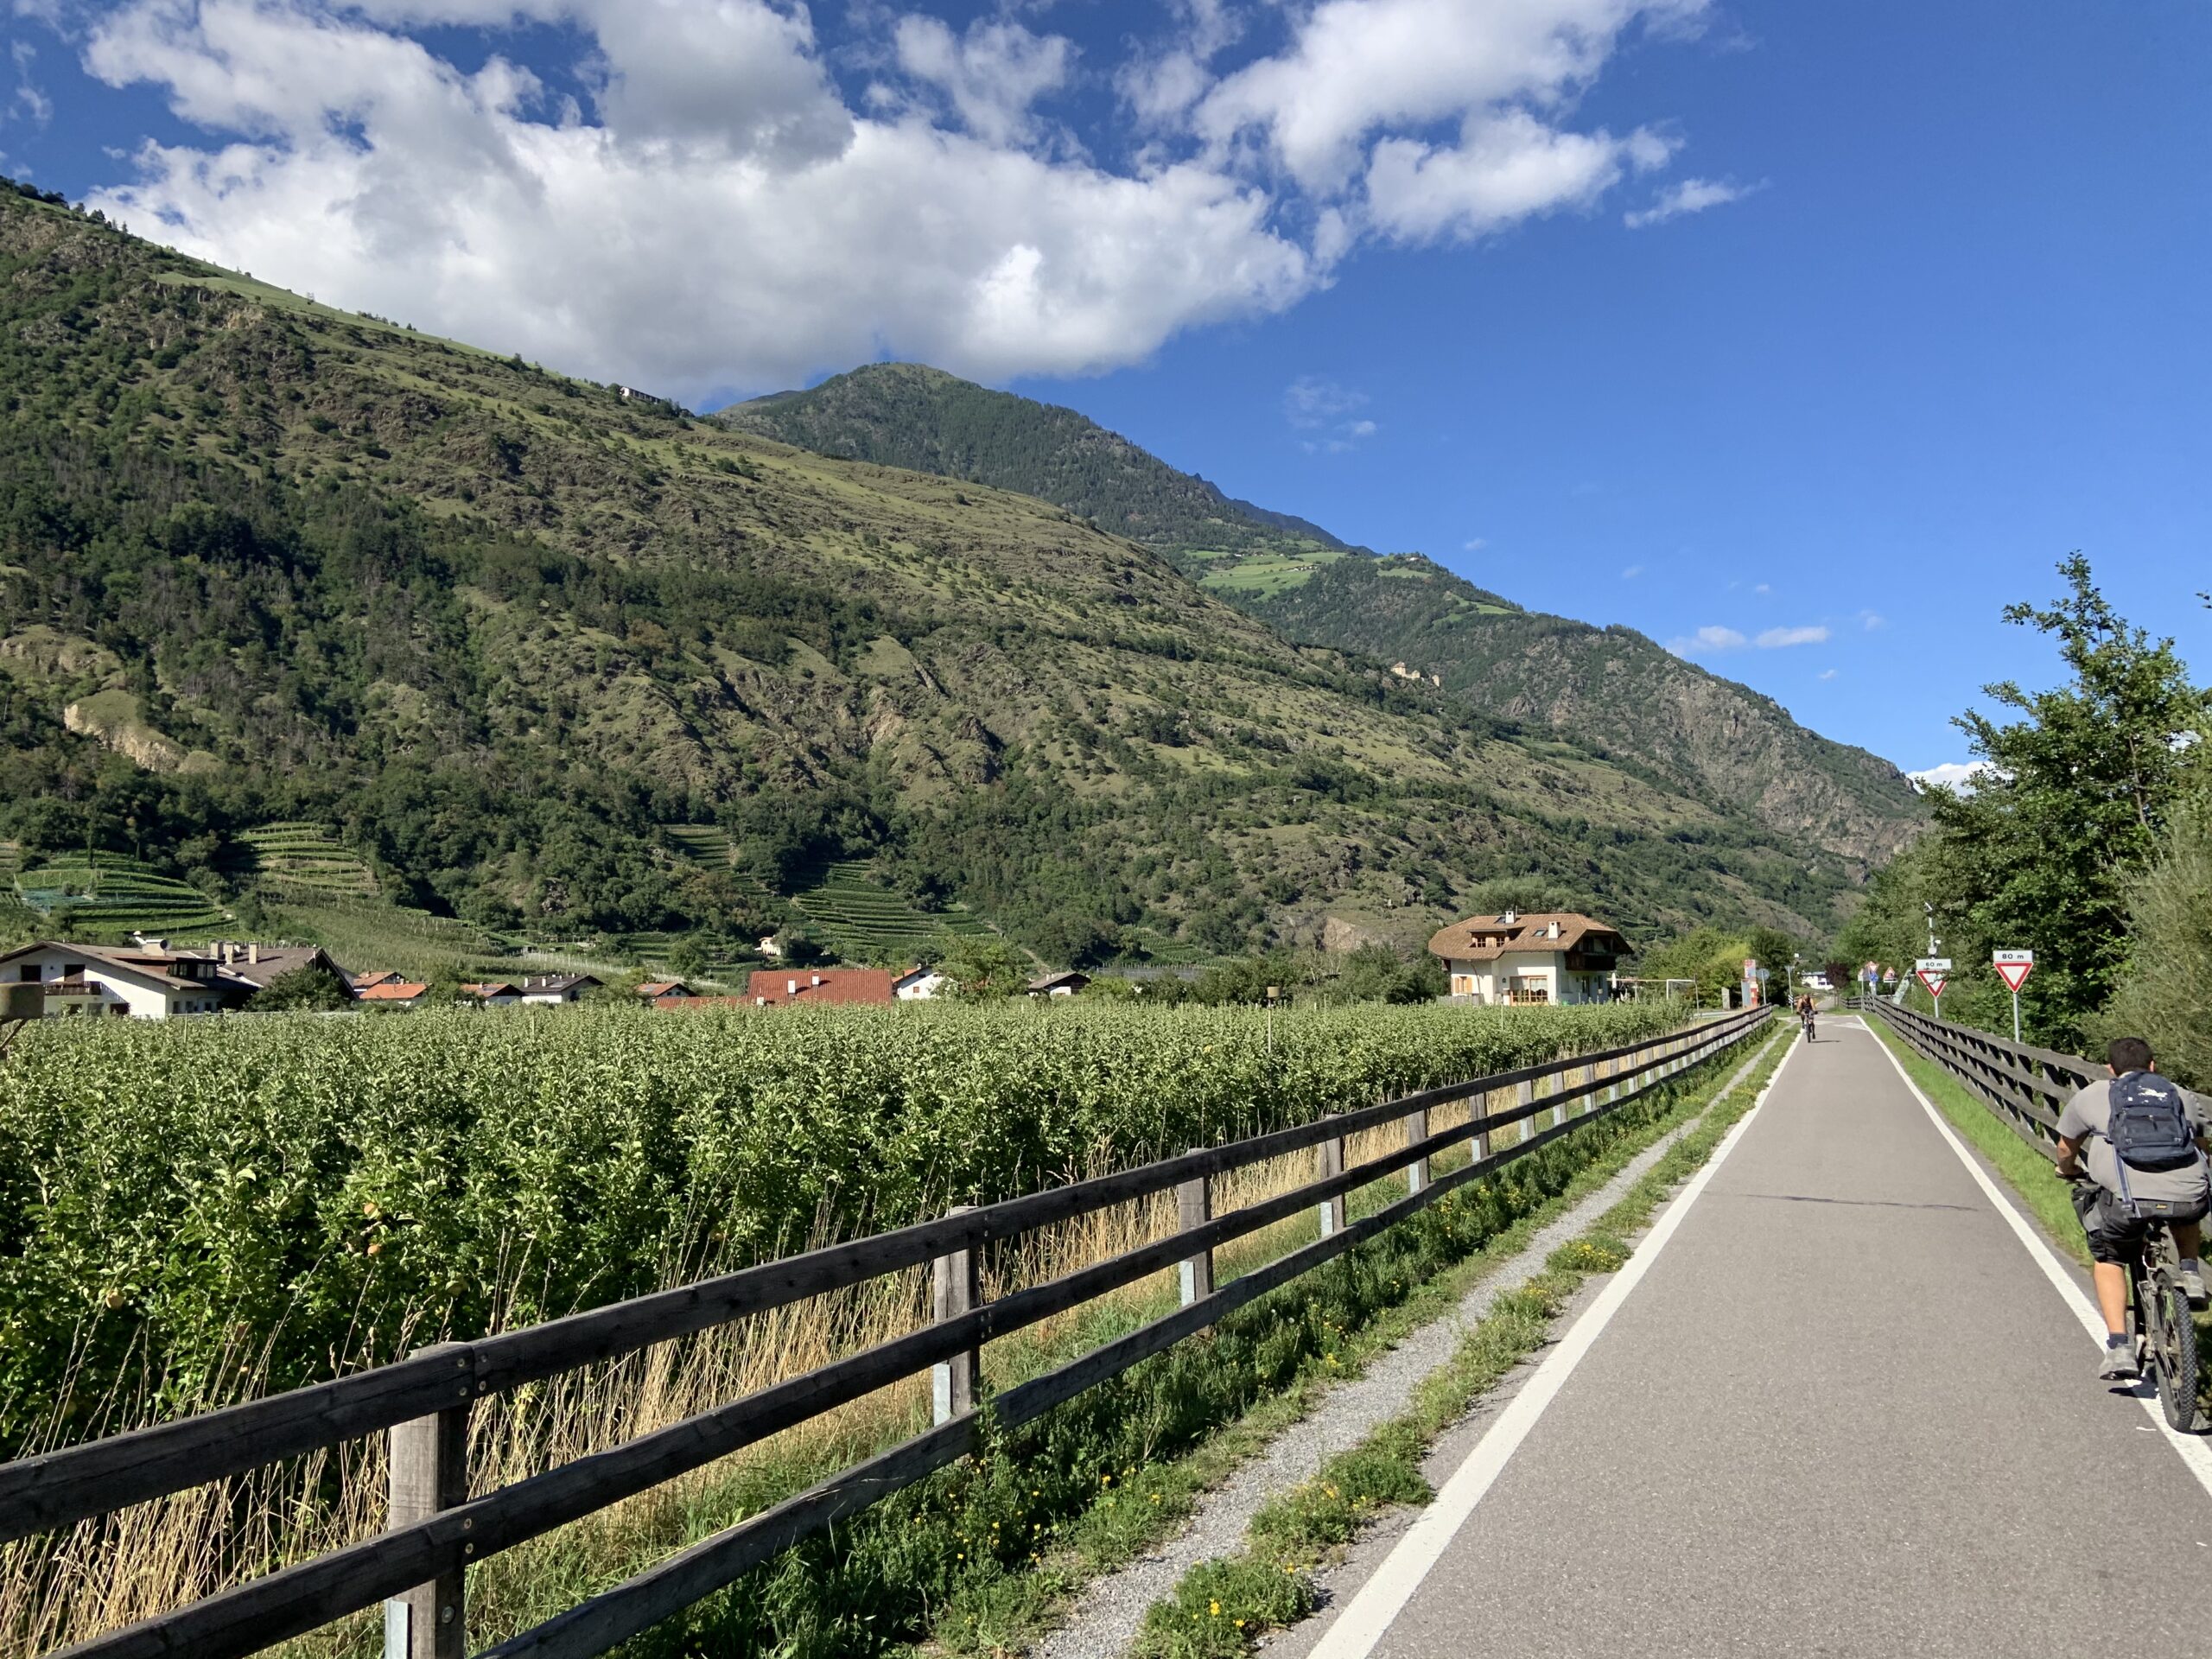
<point>2089,1113</point>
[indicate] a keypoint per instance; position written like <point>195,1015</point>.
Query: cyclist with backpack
<point>2140,1139</point>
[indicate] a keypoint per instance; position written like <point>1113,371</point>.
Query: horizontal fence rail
<point>2024,1087</point>
<point>418,1565</point>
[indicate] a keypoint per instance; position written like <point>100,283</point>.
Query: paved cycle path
<point>1843,1412</point>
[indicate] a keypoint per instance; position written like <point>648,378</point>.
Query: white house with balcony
<point>1548,957</point>
<point>140,984</point>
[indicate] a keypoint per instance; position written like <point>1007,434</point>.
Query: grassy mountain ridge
<point>1610,686</point>
<point>511,639</point>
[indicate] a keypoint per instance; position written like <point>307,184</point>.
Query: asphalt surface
<point>1844,1413</point>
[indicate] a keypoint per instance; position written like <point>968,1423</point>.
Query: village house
<point>661,990</point>
<point>1550,956</point>
<point>545,989</point>
<point>148,981</point>
<point>143,983</point>
<point>492,993</point>
<point>1058,984</point>
<point>774,987</point>
<point>920,985</point>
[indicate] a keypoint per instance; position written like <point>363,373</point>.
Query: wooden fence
<point>2024,1086</point>
<point>417,1567</point>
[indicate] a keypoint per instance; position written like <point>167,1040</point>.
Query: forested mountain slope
<point>1609,688</point>
<point>261,561</point>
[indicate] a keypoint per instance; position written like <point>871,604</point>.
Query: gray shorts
<point>2115,1232</point>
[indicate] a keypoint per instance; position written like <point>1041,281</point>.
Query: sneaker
<point>2118,1365</point>
<point>2192,1286</point>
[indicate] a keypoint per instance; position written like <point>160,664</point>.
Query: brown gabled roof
<point>145,964</point>
<point>485,988</point>
<point>777,986</point>
<point>1483,939</point>
<point>664,988</point>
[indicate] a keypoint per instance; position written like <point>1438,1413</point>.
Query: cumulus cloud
<point>1631,573</point>
<point>1827,673</point>
<point>1688,196</point>
<point>709,212</point>
<point>1777,638</point>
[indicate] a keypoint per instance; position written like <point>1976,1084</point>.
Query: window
<point>28,974</point>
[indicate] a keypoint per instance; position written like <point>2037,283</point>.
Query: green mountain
<point>1611,689</point>
<point>278,582</point>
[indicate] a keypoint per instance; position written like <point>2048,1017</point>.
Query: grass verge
<point>1222,1606</point>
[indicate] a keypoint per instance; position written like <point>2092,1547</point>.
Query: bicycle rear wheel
<point>2173,1335</point>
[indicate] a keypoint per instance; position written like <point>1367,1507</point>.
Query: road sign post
<point>2014,967</point>
<point>1935,973</point>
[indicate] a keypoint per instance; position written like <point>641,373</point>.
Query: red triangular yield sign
<point>1934,981</point>
<point>2015,974</point>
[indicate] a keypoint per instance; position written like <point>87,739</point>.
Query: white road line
<point>1379,1601</point>
<point>2191,1447</point>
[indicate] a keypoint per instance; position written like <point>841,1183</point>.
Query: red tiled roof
<point>777,986</point>
<point>390,990</point>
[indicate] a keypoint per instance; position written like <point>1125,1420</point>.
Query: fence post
<point>428,1471</point>
<point>955,1285</point>
<point>1416,1132</point>
<point>1332,1163</point>
<point>1194,1208</point>
<point>1524,1095</point>
<point>1482,1136</point>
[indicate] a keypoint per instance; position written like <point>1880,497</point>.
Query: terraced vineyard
<point>304,861</point>
<point>365,934</point>
<point>866,921</point>
<point>106,897</point>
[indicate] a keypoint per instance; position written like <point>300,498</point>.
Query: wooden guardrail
<point>2024,1086</point>
<point>436,1530</point>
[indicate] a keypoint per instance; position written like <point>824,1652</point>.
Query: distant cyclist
<point>2140,1139</point>
<point>1805,1013</point>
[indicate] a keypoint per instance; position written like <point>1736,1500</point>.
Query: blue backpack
<point>2148,1128</point>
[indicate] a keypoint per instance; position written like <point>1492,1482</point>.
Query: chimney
<point>790,988</point>
<point>817,980</point>
<point>253,955</point>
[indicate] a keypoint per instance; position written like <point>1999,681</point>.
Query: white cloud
<point>1962,775</point>
<point>1631,573</point>
<point>1688,196</point>
<point>991,75</point>
<point>715,216</point>
<point>1320,407</point>
<point>1827,673</point>
<point>1763,588</point>
<point>27,101</point>
<point>1777,639</point>
<point>1871,621</point>
<point>1505,168</point>
<point>1707,639</point>
<point>1356,67</point>
<point>1476,545</point>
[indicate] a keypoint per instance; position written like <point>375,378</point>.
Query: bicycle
<point>1806,1019</point>
<point>2165,1330</point>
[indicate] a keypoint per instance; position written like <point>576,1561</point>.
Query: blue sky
<point>1832,326</point>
